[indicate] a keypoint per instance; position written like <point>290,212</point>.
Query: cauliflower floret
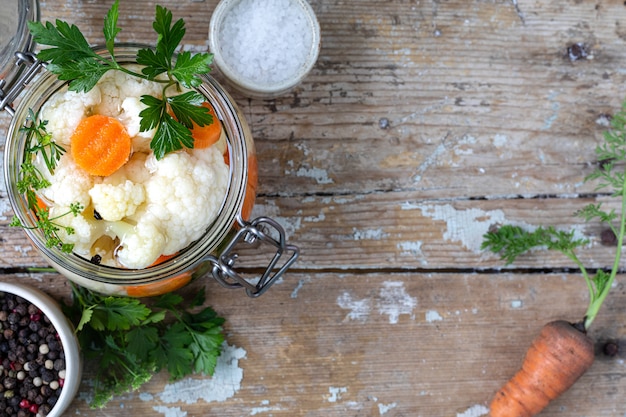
<point>184,193</point>
<point>65,110</point>
<point>116,86</point>
<point>134,170</point>
<point>140,245</point>
<point>131,107</point>
<point>69,184</point>
<point>114,202</point>
<point>86,229</point>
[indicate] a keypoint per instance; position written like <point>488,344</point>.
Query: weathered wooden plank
<point>461,113</point>
<point>358,344</point>
<point>395,231</point>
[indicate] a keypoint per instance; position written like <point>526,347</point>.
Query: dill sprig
<point>39,142</point>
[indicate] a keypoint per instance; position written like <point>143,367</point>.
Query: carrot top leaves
<point>72,59</point>
<point>511,241</point>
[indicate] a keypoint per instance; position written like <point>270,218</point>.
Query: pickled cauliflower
<point>146,208</point>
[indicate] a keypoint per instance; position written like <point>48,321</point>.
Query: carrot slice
<point>207,135</point>
<point>159,287</point>
<point>163,258</point>
<point>100,145</point>
<point>253,180</point>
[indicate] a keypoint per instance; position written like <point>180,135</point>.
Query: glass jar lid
<point>14,36</point>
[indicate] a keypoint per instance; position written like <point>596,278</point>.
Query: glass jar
<point>212,254</point>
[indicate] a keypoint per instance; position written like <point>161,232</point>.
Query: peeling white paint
<point>359,309</point>
<point>23,250</point>
<point>395,301</point>
<point>146,396</point>
<point>385,408</point>
<point>294,293</point>
<point>335,393</point>
<point>411,248</point>
<point>555,107</point>
<point>315,219</point>
<point>465,140</point>
<point>500,140</point>
<point>368,234</point>
<point>302,148</point>
<point>517,304</point>
<point>170,411</point>
<point>465,226</point>
<point>432,316</point>
<point>474,411</point>
<point>429,161</point>
<point>265,408</point>
<point>223,385</point>
<point>290,224</point>
<point>407,205</point>
<point>318,174</point>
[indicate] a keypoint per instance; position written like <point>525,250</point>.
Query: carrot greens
<point>71,58</point>
<point>511,241</point>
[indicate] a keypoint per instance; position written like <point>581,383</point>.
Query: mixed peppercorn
<point>32,361</point>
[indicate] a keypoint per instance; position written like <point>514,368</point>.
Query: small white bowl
<point>65,329</point>
<point>250,44</point>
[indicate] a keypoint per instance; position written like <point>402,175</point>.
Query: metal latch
<point>29,66</point>
<point>262,230</point>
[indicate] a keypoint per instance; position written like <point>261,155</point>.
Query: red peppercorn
<point>34,408</point>
<point>61,382</point>
<point>25,403</point>
<point>35,317</point>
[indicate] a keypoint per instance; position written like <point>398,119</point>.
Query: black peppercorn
<point>31,358</point>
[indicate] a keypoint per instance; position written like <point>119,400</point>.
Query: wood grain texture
<point>421,125</point>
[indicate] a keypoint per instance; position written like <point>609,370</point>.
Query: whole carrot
<point>558,356</point>
<point>563,352</point>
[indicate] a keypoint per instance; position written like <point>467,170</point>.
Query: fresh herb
<point>511,241</point>
<point>72,59</point>
<point>130,341</point>
<point>39,143</point>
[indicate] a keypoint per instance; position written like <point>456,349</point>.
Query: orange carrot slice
<point>163,258</point>
<point>100,145</point>
<point>207,135</point>
<point>159,287</point>
<point>253,180</point>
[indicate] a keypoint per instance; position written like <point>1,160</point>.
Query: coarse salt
<point>266,42</point>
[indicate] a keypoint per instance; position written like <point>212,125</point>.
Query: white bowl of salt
<point>264,48</point>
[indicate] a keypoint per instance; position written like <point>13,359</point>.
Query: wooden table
<point>422,124</point>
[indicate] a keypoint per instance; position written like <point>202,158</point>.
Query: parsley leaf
<point>67,40</point>
<point>128,341</point>
<point>187,108</point>
<point>111,30</point>
<point>169,137</point>
<point>169,36</point>
<point>188,65</point>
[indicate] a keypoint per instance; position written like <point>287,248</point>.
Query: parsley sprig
<point>39,143</point>
<point>129,341</point>
<point>72,59</point>
<point>512,241</point>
